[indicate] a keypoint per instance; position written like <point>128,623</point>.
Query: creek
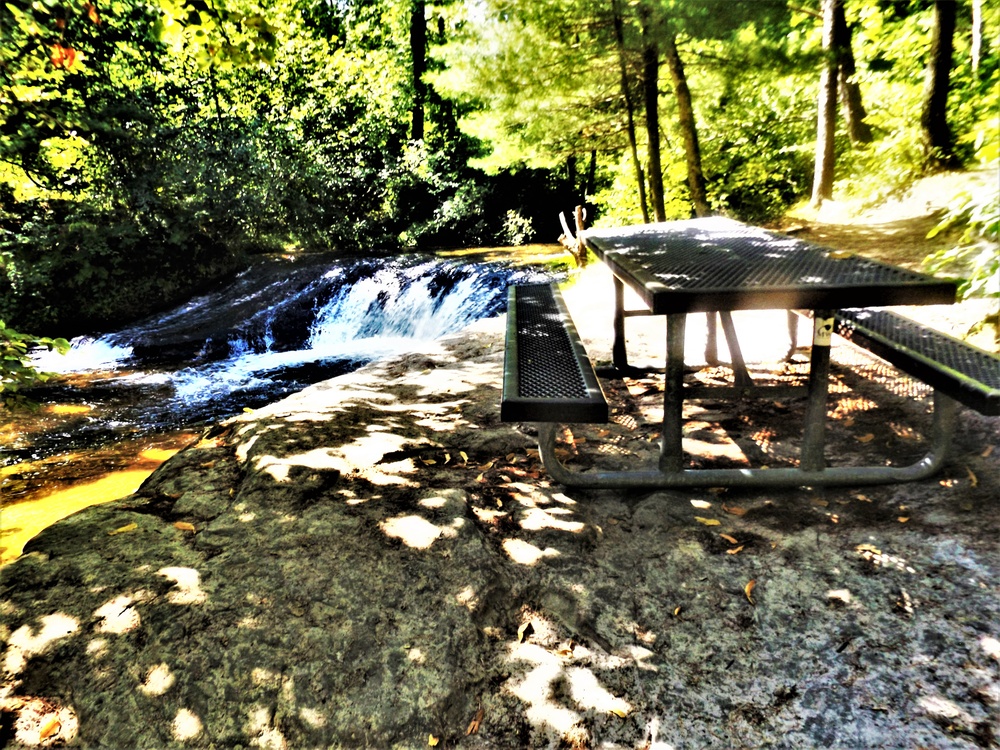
<point>126,400</point>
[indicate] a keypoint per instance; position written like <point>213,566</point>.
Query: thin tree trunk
<point>977,38</point>
<point>651,100</point>
<point>826,111</point>
<point>640,180</point>
<point>590,186</point>
<point>418,56</point>
<point>934,117</point>
<point>850,93</point>
<point>689,131</point>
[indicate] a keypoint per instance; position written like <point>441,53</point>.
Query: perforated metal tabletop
<point>717,264</point>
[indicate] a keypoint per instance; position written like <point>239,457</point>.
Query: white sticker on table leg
<point>822,331</point>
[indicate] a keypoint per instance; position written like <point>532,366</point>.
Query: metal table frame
<point>719,265</point>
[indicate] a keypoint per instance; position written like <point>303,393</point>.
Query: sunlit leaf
<point>730,539</point>
<point>903,519</point>
<point>511,457</point>
<point>464,456</point>
<point>447,458</point>
<point>734,510</point>
<point>50,727</point>
<point>708,521</point>
<point>748,590</point>
<point>124,529</point>
<point>988,452</point>
<point>865,438</point>
<point>620,713</point>
<point>185,526</point>
<point>868,548</point>
<point>972,477</point>
<point>701,504</point>
<point>481,478</point>
<point>475,723</point>
<point>433,741</point>
<point>735,550</point>
<point>677,611</point>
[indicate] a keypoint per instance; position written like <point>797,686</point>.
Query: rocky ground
<point>378,561</point>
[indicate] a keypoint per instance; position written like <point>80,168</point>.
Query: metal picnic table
<point>717,265</point>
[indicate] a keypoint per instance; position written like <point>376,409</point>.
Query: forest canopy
<point>150,148</point>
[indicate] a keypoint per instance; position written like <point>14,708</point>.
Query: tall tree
<point>826,109</point>
<point>689,131</point>
<point>934,114</point>
<point>858,129</point>
<point>418,58</point>
<point>626,87</point>
<point>651,104</point>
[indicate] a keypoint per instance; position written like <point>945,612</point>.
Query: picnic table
<point>717,266</point>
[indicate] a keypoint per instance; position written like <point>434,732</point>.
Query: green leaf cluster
<point>16,370</point>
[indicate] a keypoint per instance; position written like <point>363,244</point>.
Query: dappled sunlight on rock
<point>263,734</point>
<point>158,680</point>
<point>414,531</point>
<point>524,553</point>
<point>585,689</point>
<point>25,642</point>
<point>186,725</point>
<point>42,722</point>
<point>117,616</point>
<point>188,585</point>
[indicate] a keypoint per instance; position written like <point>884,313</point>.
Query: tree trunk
<point>590,186</point>
<point>826,116</point>
<point>977,39</point>
<point>689,131</point>
<point>850,93</point>
<point>651,100</point>
<point>934,119</point>
<point>640,180</point>
<point>418,56</point>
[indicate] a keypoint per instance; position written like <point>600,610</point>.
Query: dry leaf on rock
<point>748,590</point>
<point>124,529</point>
<point>865,438</point>
<point>734,550</point>
<point>973,480</point>
<point>185,526</point>
<point>708,521</point>
<point>734,510</point>
<point>730,539</point>
<point>475,723</point>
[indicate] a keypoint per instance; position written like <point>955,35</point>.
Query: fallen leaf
<point>972,477</point>
<point>464,456</point>
<point>849,422</point>
<point>903,519</point>
<point>525,631</point>
<point>620,713</point>
<point>730,539</point>
<point>505,478</point>
<point>481,478</point>
<point>511,457</point>
<point>485,467</point>
<point>734,510</point>
<point>988,452</point>
<point>475,723</point>
<point>865,438</point>
<point>748,589</point>
<point>863,498</point>
<point>868,548</point>
<point>124,529</point>
<point>185,526</point>
<point>708,521</point>
<point>428,461</point>
<point>734,550</point>
<point>50,727</point>
<point>701,504</point>
<point>823,503</point>
<point>432,740</point>
<point>677,611</point>
<point>447,458</point>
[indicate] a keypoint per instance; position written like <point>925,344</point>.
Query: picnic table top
<point>715,264</point>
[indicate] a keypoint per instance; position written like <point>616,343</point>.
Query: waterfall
<point>274,329</point>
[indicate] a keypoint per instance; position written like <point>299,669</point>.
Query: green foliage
<point>16,370</point>
<point>976,257</point>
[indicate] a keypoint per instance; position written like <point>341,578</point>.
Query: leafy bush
<point>16,370</point>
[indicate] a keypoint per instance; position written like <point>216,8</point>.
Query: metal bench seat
<point>959,370</point>
<point>547,374</point>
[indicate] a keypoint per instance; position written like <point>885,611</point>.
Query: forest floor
<point>378,561</point>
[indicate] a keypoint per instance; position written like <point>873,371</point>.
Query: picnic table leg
<point>671,447</point>
<point>813,433</point>
<point>618,355</point>
<point>711,340</point>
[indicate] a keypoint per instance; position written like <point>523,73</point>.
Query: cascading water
<point>277,328</point>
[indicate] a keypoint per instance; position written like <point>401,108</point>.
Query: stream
<point>125,401</point>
